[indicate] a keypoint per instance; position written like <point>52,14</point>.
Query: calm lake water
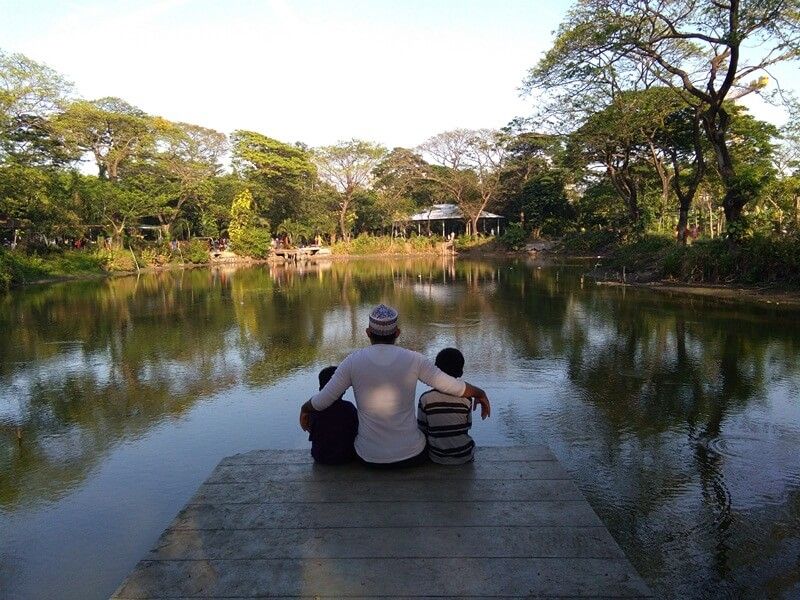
<point>678,417</point>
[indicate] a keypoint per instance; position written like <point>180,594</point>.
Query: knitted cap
<point>383,320</point>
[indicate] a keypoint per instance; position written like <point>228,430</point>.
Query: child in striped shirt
<point>445,420</point>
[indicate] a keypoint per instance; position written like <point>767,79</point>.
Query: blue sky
<point>313,71</point>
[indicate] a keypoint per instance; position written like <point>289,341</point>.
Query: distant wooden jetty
<point>300,254</point>
<point>271,524</point>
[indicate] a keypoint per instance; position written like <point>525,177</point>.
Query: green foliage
<point>421,243</point>
<point>590,242</point>
<point>295,231</point>
<point>545,205</point>
<point>196,251</point>
<point>281,176</point>
<point>646,253</point>
<point>514,237</point>
<point>254,242</point>
<point>118,260</point>
<point>112,130</point>
<point>30,93</point>
<point>41,201</point>
<point>18,268</point>
<point>347,167</point>
<point>366,244</point>
<point>277,164</point>
<point>242,214</point>
<point>151,257</point>
<point>468,242</point>
<point>756,260</point>
<point>248,238</point>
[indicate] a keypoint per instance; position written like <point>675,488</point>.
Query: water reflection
<point>679,418</point>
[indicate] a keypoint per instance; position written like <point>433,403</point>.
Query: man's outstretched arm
<point>333,390</point>
<point>439,380</point>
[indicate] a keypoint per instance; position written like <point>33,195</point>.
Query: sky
<point>395,72</point>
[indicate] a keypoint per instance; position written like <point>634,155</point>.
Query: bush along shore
<point>764,262</point>
<point>18,267</point>
<point>759,261</point>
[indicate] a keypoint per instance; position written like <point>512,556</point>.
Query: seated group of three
<point>383,430</point>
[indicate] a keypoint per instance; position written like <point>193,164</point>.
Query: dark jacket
<point>333,431</point>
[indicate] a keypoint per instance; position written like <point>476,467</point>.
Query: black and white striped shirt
<point>445,421</point>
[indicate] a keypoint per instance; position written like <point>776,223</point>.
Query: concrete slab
<point>485,469</point>
<point>270,523</point>
<point>464,490</point>
<point>362,542</point>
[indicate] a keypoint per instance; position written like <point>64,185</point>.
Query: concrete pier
<point>271,524</point>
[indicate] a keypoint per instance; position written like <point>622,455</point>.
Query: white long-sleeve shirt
<point>384,380</point>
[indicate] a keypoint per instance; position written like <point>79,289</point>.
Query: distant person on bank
<point>446,420</point>
<point>332,431</point>
<point>384,378</point>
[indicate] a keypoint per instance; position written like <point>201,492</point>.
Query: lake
<point>678,417</point>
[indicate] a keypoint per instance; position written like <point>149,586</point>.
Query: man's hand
<point>305,416</point>
<point>486,408</point>
<point>478,397</point>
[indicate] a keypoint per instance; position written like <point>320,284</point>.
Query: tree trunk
<point>633,205</point>
<point>686,194</point>
<point>715,123</point>
<point>626,187</point>
<point>474,224</point>
<point>343,218</point>
<point>733,203</point>
<point>683,222</point>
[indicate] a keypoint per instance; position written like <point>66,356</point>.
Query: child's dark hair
<point>451,361</point>
<point>325,376</point>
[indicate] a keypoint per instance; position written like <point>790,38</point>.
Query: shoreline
<point>729,294</point>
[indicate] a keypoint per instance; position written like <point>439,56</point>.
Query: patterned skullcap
<point>383,320</point>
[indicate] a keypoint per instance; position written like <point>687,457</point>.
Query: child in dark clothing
<point>333,430</point>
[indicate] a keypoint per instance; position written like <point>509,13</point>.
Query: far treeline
<point>638,131</point>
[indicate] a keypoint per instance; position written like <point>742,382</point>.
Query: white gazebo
<point>448,218</point>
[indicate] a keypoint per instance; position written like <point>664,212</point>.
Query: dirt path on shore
<point>728,294</point>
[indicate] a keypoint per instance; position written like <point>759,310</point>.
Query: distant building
<point>444,219</point>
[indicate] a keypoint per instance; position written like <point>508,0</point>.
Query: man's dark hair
<point>382,339</point>
<point>325,376</point>
<point>451,361</point>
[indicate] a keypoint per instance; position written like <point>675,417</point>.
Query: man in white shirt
<point>384,379</point>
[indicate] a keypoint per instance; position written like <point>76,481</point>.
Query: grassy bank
<point>364,245</point>
<point>18,268</point>
<point>368,245</point>
<point>756,261</point>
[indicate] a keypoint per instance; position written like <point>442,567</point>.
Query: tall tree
<point>709,52</point>
<point>282,174</point>
<point>117,205</point>
<point>681,140</point>
<point>348,167</point>
<point>467,164</point>
<point>626,137</point>
<point>30,93</point>
<point>190,157</point>
<point>400,188</point>
<point>110,129</point>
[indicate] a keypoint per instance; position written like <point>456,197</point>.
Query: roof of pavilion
<point>445,212</point>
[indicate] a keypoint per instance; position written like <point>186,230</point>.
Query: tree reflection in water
<point>678,417</point>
